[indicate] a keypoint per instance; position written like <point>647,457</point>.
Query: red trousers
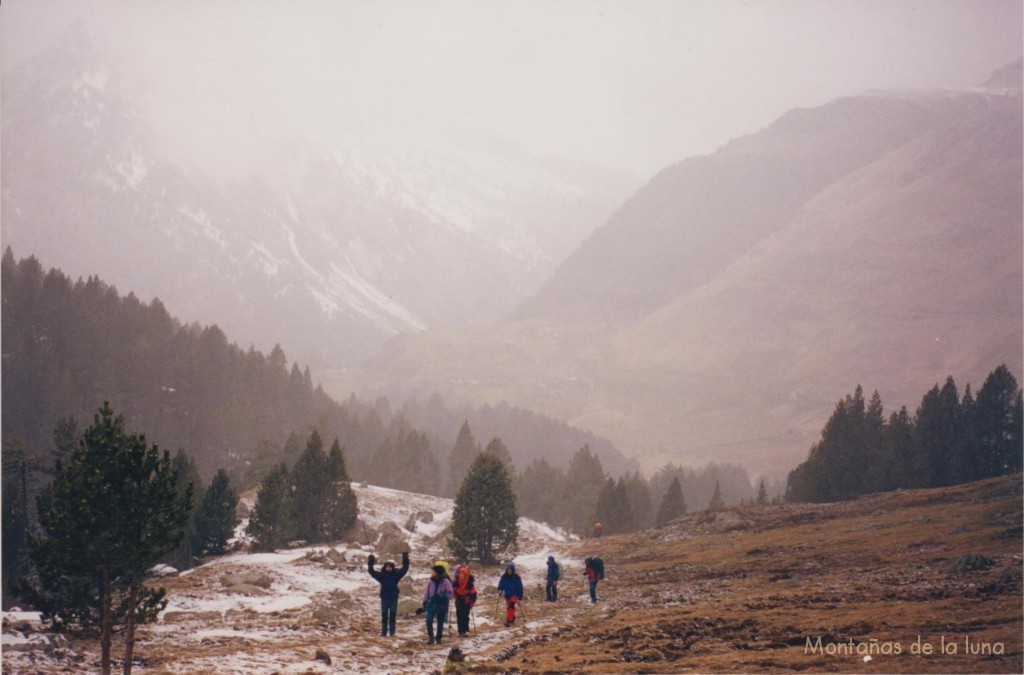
<point>510,605</point>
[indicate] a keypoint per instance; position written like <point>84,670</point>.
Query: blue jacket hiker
<point>436,596</point>
<point>388,578</point>
<point>554,574</point>
<point>510,587</point>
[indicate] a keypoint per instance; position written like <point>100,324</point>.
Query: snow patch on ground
<point>309,606</point>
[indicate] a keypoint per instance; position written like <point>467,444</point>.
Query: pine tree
<point>309,486</point>
<point>583,482</point>
<point>215,520</point>
<point>999,424</point>
<point>485,520</point>
<point>716,503</point>
<point>762,494</point>
<point>496,448</point>
<point>462,455</point>
<point>270,522</point>
<point>672,503</point>
<point>540,492</point>
<point>937,437</point>
<point>639,500</point>
<point>340,508</point>
<point>613,509</point>
<point>113,510</point>
<point>184,556</point>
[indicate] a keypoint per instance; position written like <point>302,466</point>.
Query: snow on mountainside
<point>270,612</point>
<point>720,313</point>
<point>356,238</point>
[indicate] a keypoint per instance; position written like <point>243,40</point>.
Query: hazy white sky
<point>629,83</point>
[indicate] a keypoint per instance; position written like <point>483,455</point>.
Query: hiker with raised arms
<point>510,587</point>
<point>388,578</point>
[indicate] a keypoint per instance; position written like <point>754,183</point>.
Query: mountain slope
<point>340,244</point>
<point>741,590</point>
<point>721,312</point>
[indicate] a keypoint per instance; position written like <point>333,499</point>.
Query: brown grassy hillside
<point>743,590</point>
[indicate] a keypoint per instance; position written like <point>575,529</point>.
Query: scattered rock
<point>390,544</point>
<point>247,589</point>
<point>251,579</point>
<point>328,615</point>
<point>388,528</point>
<point>727,521</point>
<point>322,655</point>
<point>408,606</point>
<point>163,571</point>
<point>972,562</point>
<point>1012,574</point>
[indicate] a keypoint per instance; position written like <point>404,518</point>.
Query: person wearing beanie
<point>388,578</point>
<point>510,587</point>
<point>436,597</point>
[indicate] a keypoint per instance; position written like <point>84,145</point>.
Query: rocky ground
<point>862,586</point>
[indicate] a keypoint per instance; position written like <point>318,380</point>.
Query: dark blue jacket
<point>511,585</point>
<point>552,571</point>
<point>388,580</point>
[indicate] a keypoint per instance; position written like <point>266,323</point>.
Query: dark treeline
<point>69,346</point>
<point>527,434</point>
<point>584,494</point>
<point>948,441</point>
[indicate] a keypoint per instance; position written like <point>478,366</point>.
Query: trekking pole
<point>472,615</point>
<point>496,605</point>
<point>522,611</point>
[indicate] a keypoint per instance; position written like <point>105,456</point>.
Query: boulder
<point>388,528</point>
<point>328,615</point>
<point>251,579</point>
<point>408,606</point>
<point>322,655</point>
<point>391,545</point>
<point>246,589</point>
<point>726,521</point>
<point>335,556</point>
<point>360,533</point>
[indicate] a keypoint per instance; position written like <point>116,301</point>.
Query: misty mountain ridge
<point>358,240</point>
<point>721,311</point>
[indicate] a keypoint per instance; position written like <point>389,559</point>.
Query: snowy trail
<point>302,606</point>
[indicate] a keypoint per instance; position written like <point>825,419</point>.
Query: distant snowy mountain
<point>345,243</point>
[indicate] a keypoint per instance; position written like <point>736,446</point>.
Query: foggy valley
<point>710,274</point>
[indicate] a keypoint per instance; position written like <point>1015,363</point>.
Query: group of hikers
<point>441,589</point>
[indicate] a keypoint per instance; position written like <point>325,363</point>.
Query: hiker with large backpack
<point>436,596</point>
<point>465,597</point>
<point>594,571</point>
<point>388,578</point>
<point>554,574</point>
<point>510,587</point>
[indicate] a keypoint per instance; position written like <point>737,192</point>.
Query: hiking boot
<point>430,640</point>
<point>437,641</point>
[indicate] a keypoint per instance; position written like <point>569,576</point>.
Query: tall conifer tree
<point>485,518</point>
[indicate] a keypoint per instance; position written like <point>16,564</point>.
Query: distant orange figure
<point>597,530</point>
